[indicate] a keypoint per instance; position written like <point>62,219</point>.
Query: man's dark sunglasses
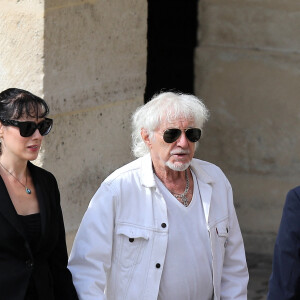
<point>172,134</point>
<point>28,128</point>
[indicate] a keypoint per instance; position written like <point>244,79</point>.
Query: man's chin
<point>178,166</point>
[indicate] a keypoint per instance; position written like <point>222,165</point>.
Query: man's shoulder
<point>124,172</point>
<point>209,168</point>
<point>204,164</point>
<point>39,172</point>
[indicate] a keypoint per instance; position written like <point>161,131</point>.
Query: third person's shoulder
<point>294,195</point>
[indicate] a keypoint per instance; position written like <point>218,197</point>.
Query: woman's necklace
<point>182,197</point>
<point>27,190</point>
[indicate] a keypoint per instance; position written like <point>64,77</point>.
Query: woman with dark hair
<point>33,253</point>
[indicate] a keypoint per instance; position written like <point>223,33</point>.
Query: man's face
<point>177,155</point>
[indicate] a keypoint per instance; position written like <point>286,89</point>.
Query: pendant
<point>28,191</point>
<point>185,201</point>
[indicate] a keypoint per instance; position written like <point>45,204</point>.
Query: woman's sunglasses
<point>28,128</point>
<point>172,134</point>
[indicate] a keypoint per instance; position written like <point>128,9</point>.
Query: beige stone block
<point>250,24</point>
<point>95,52</point>
<point>70,236</point>
<point>259,244</point>
<point>22,45</point>
<point>253,98</point>
<point>253,132</point>
<point>84,148</point>
<point>88,59</point>
<point>259,200</point>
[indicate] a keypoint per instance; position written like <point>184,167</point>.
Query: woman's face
<point>16,147</point>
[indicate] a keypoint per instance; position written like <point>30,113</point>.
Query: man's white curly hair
<point>169,106</point>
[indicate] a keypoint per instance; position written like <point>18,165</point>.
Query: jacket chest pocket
<point>129,245</point>
<point>222,233</point>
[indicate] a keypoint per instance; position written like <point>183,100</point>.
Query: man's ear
<point>145,137</point>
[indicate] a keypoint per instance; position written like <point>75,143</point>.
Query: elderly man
<point>164,226</point>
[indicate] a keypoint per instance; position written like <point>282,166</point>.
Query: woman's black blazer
<point>49,265</point>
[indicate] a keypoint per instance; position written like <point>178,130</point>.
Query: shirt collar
<point>147,174</point>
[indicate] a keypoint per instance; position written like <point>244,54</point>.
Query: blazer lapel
<point>41,196</point>
<point>7,209</point>
<point>205,187</point>
<point>205,192</point>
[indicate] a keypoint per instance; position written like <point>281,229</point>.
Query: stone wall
<point>247,72</point>
<point>22,45</point>
<point>88,60</point>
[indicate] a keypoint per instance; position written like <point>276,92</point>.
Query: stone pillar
<point>88,60</point>
<point>22,45</point>
<point>247,71</point>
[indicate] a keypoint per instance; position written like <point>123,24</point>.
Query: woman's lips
<point>33,147</point>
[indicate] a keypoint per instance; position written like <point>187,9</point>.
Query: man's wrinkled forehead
<point>169,121</point>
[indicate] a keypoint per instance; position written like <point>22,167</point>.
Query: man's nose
<point>182,140</point>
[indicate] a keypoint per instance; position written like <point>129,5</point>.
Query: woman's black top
<point>32,228</point>
<point>33,248</point>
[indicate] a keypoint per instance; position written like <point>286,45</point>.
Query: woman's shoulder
<point>40,173</point>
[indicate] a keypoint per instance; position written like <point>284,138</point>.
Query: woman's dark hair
<point>16,103</point>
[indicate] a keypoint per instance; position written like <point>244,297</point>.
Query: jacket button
<point>157,266</point>
<point>163,225</point>
<point>131,240</point>
<point>29,264</point>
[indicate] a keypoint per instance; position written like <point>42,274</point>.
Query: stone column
<point>22,45</point>
<point>88,60</point>
<point>247,71</point>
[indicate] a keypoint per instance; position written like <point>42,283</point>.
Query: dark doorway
<point>172,37</point>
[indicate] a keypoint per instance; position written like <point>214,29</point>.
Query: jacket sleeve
<point>285,278</point>
<point>235,275</point>
<point>58,260</point>
<point>90,258</point>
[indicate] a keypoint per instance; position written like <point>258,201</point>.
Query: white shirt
<point>187,272</point>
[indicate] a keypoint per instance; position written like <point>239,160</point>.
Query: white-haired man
<point>164,226</point>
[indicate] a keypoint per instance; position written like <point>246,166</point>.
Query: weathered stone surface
<point>253,100</point>
<point>95,52</point>
<point>95,74</point>
<point>88,60</point>
<point>268,25</point>
<point>84,148</point>
<point>22,45</point>
<point>247,72</point>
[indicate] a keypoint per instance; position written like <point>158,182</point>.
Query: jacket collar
<point>7,209</point>
<point>147,174</point>
<point>40,192</point>
<point>204,180</point>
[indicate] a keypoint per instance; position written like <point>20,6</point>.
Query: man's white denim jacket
<point>119,250</point>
